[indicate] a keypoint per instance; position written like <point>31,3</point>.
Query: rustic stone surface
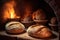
<point>25,36</point>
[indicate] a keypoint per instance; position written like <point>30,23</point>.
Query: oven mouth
<point>47,8</point>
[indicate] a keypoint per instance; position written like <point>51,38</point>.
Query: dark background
<point>36,4</point>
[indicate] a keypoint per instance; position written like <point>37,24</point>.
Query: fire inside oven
<point>28,13</point>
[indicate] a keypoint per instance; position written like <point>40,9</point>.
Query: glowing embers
<point>8,10</point>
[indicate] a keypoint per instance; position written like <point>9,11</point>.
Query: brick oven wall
<point>55,6</point>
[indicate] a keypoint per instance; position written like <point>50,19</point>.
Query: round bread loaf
<point>53,20</point>
<point>39,15</point>
<point>14,27</point>
<point>39,31</point>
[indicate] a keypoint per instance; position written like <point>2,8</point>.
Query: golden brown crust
<point>14,27</point>
<point>40,14</point>
<point>42,32</point>
<point>15,31</point>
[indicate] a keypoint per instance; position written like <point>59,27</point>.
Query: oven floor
<point>24,36</point>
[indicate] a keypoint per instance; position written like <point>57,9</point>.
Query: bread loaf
<point>14,27</point>
<point>39,31</point>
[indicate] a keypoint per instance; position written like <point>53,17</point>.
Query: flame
<point>9,11</point>
<point>12,13</point>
